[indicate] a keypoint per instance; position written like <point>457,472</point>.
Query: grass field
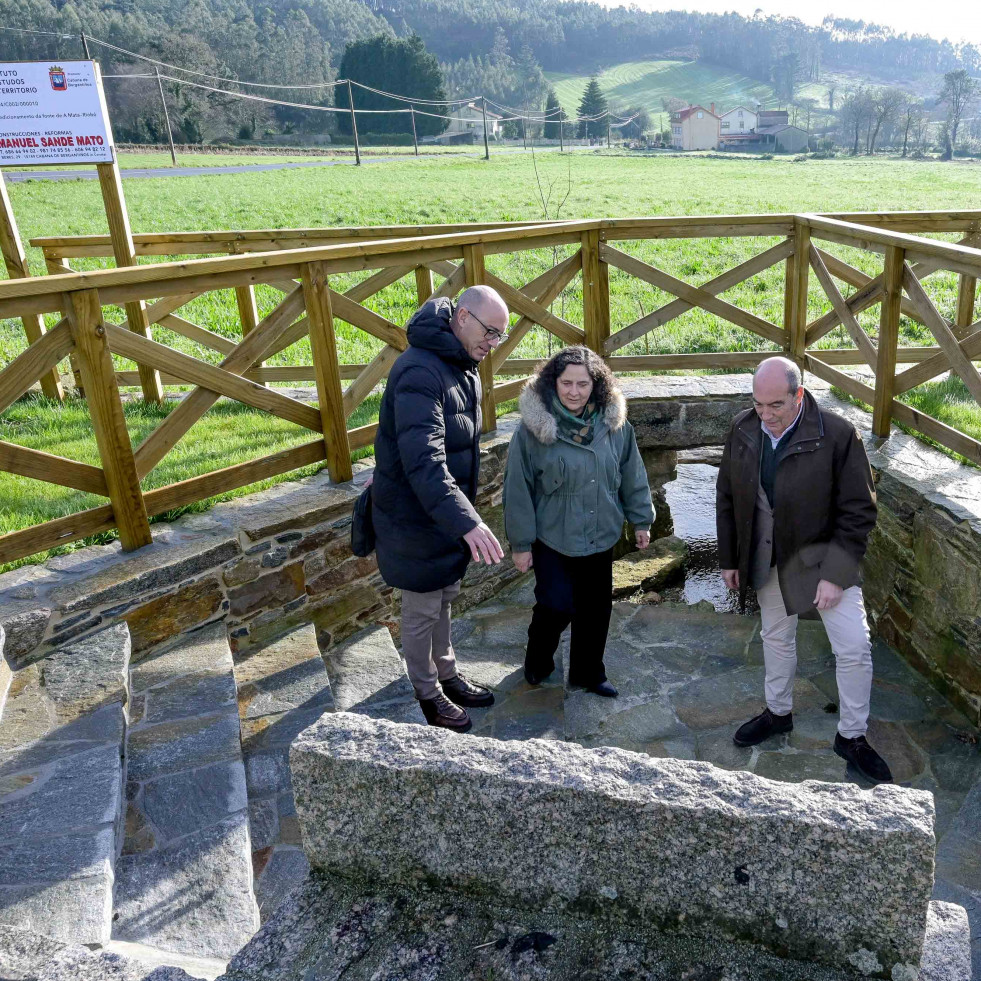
<point>455,190</point>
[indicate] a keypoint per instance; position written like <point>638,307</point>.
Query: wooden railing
<point>304,266</point>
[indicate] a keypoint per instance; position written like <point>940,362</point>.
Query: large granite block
<point>823,872</point>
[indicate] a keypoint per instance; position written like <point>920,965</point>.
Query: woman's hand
<point>522,561</point>
<point>642,538</point>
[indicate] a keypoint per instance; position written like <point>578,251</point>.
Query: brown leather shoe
<point>463,692</point>
<point>441,712</point>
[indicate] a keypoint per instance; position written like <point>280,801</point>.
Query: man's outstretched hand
<point>828,595</point>
<point>484,547</point>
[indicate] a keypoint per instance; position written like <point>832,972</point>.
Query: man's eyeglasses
<point>492,332</point>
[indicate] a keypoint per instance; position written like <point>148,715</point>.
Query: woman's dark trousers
<point>576,590</point>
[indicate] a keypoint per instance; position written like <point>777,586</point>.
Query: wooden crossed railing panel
<point>899,291</point>
<point>310,305</point>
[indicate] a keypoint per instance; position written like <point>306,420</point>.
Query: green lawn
<point>455,190</point>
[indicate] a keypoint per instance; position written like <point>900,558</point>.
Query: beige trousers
<point>426,644</point>
<point>848,631</point>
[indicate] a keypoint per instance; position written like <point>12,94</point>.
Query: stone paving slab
<point>61,788</point>
<point>184,880</point>
<point>281,685</point>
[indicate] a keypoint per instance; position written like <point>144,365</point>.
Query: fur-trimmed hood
<point>538,418</point>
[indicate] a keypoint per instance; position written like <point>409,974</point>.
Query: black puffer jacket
<point>426,457</point>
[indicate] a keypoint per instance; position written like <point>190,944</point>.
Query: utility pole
<point>163,102</point>
<point>608,129</point>
<point>85,47</point>
<point>524,132</point>
<point>561,127</point>
<point>483,109</point>
<point>354,125</point>
<point>415,139</point>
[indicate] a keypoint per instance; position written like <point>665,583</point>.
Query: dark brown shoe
<point>463,692</point>
<point>763,726</point>
<point>441,712</point>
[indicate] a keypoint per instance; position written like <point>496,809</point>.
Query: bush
<point>800,158</point>
<point>918,154</point>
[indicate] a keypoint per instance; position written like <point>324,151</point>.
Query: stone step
<point>367,676</point>
<point>282,688</point>
<point>61,776</point>
<point>184,879</point>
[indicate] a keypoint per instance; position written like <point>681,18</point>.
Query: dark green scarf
<point>577,429</point>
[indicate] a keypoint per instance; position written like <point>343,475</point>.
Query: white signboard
<point>53,113</point>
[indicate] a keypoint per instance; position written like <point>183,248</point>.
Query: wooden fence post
<point>125,254</point>
<point>802,268</point>
<point>967,288</point>
<point>885,366</point>
<point>248,312</point>
<point>84,312</point>
<point>16,263</point>
<point>473,265</point>
<point>595,293</point>
<point>790,283</point>
<point>323,344</point>
<point>424,284</point>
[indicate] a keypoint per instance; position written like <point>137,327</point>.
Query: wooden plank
<point>34,363</point>
<point>798,324</point>
<point>544,290</point>
<point>318,297</point>
<point>685,362</point>
<point>937,364</point>
<point>424,284</point>
<point>367,320</point>
<point>108,423</point>
<point>847,383</point>
<point>53,469</point>
<point>841,308</point>
<point>194,405</point>
<point>15,260</point>
<point>476,274</point>
<point>595,293</point>
<point>376,283</point>
<point>885,368</point>
<point>229,478</point>
<point>789,282</point>
<point>862,299</point>
<point>967,291</point>
<point>122,246</point>
<point>373,373</point>
<point>940,329</point>
<point>453,283</point>
<point>248,312</point>
<point>509,390</point>
<point>362,436</point>
<point>200,335</point>
<point>694,295</point>
<point>157,311</point>
<point>212,378</point>
<point>60,531</point>
<point>523,304</point>
<point>721,283</point>
<point>953,439</point>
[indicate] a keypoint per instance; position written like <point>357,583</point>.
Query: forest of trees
<point>484,48</point>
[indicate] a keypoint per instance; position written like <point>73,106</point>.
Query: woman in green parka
<point>574,473</point>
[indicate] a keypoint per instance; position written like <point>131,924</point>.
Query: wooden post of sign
<point>595,293</point>
<point>323,345</point>
<point>885,365</point>
<point>125,254</point>
<point>473,264</point>
<point>84,312</point>
<point>16,263</point>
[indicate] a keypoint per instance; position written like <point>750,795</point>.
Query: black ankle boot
<point>763,726</point>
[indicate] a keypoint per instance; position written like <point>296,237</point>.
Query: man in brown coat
<point>795,503</point>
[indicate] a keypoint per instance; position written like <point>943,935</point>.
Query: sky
<point>955,19</point>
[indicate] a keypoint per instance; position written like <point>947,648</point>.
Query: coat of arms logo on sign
<point>58,80</point>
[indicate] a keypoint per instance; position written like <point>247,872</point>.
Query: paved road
<point>13,176</point>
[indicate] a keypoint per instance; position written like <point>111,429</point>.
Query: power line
<point>23,30</point>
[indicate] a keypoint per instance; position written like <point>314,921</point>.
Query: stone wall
<point>817,872</point>
<point>263,564</point>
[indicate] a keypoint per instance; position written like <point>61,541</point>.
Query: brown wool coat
<point>823,507</point>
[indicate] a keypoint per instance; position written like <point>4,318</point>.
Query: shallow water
<point>691,498</point>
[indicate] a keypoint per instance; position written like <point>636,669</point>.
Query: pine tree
<point>593,104</point>
<point>553,113</point>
